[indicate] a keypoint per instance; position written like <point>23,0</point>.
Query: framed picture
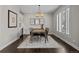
<point>42,21</point>
<point>32,21</point>
<point>12,19</point>
<point>37,21</point>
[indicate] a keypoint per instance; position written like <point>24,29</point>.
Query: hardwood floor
<point>67,47</point>
<point>13,47</point>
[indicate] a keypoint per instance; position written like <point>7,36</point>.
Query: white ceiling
<point>34,8</point>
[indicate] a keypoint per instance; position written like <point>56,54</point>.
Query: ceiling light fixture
<point>39,13</point>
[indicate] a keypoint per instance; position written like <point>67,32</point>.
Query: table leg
<point>31,36</point>
<point>45,38</point>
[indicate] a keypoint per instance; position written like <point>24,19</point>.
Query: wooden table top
<point>38,30</point>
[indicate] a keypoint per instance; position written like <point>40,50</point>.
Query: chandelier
<point>39,12</point>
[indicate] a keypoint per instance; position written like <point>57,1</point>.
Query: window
<point>63,21</point>
<point>37,21</point>
<point>67,20</point>
<point>42,21</point>
<point>57,23</point>
<point>60,22</point>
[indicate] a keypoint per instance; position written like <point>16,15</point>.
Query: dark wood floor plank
<point>64,44</point>
<point>13,47</point>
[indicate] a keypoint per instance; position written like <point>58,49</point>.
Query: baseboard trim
<point>77,48</point>
<point>1,48</point>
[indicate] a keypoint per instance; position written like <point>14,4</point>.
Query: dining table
<point>39,32</point>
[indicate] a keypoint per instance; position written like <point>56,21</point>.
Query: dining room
<point>39,28</point>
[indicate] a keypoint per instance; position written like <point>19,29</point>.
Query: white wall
<point>27,25</point>
<point>75,25</point>
<point>8,35</point>
<point>73,38</point>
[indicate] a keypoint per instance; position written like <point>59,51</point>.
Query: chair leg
<point>31,36</point>
<point>47,38</point>
<point>40,37</point>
